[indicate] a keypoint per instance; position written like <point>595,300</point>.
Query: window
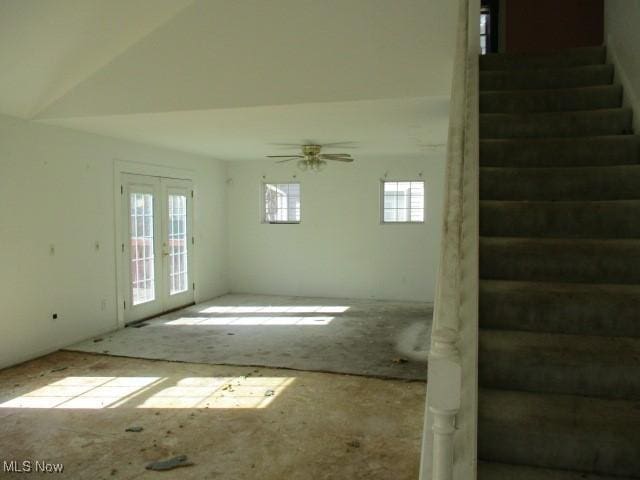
<point>485,30</point>
<point>403,202</point>
<point>142,254</point>
<point>281,203</point>
<point>177,230</point>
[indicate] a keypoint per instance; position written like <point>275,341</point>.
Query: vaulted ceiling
<point>230,78</point>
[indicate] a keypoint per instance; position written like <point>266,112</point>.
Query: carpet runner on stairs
<point>559,345</point>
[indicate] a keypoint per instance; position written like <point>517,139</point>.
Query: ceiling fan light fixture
<point>311,158</point>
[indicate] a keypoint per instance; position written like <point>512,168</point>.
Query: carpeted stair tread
<point>561,59</point>
<point>505,471</point>
<point>585,76</point>
<point>518,101</point>
<point>560,219</point>
<point>618,182</point>
<point>560,152</point>
<point>559,300</point>
<point>568,432</point>
<point>560,260</point>
<point>570,308</point>
<point>597,366</point>
<point>615,121</point>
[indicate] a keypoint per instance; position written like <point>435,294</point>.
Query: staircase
<point>559,352</point>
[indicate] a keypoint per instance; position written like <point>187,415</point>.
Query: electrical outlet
<point>103,304</point>
<point>54,316</point>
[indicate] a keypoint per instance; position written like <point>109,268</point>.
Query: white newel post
<point>445,373</point>
<point>449,446</point>
<point>443,428</point>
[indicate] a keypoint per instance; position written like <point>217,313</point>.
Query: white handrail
<point>449,449</point>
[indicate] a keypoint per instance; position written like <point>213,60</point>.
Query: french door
<point>158,245</point>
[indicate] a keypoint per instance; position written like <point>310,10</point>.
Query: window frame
<point>263,206</point>
<point>407,222</point>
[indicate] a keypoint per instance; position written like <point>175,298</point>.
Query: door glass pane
<point>177,244</point>
<point>142,254</point>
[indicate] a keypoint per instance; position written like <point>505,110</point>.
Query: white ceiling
<point>47,47</point>
<point>229,78</point>
<point>395,127</point>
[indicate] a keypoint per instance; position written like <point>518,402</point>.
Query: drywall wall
<point>622,19</point>
<point>546,25</point>
<point>57,189</point>
<point>340,249</point>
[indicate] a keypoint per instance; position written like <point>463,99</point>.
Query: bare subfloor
<point>232,422</point>
<point>363,337</point>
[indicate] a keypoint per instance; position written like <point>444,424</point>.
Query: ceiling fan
<point>312,159</point>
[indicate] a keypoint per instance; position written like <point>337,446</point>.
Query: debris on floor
<point>58,369</point>
<point>399,360</point>
<point>354,443</point>
<point>216,439</point>
<point>134,429</point>
<point>96,340</point>
<point>170,464</point>
<point>269,393</point>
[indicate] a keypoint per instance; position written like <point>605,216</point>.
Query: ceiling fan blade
<point>340,145</point>
<point>335,155</point>
<point>286,160</point>
<point>285,156</point>
<point>339,159</point>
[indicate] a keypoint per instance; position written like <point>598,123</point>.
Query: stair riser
<point>603,151</point>
<point>560,219</point>
<point>532,372</point>
<point>572,124</point>
<point>560,262</point>
<point>499,471</point>
<point>551,101</point>
<point>574,58</point>
<point>561,312</point>
<point>612,183</point>
<point>545,79</point>
<point>505,443</point>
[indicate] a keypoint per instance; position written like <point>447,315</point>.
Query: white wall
<point>56,187</point>
<point>622,31</point>
<point>340,249</point>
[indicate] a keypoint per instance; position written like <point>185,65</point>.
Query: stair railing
<point>449,447</point>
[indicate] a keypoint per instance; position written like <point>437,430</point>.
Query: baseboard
<point>631,98</point>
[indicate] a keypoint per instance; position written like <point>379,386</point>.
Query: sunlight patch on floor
<point>307,321</point>
<point>154,392</point>
<point>81,392</point>
<point>237,392</point>
<point>276,309</point>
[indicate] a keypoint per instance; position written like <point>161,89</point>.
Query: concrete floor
<point>363,337</point>
<point>232,422</point>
